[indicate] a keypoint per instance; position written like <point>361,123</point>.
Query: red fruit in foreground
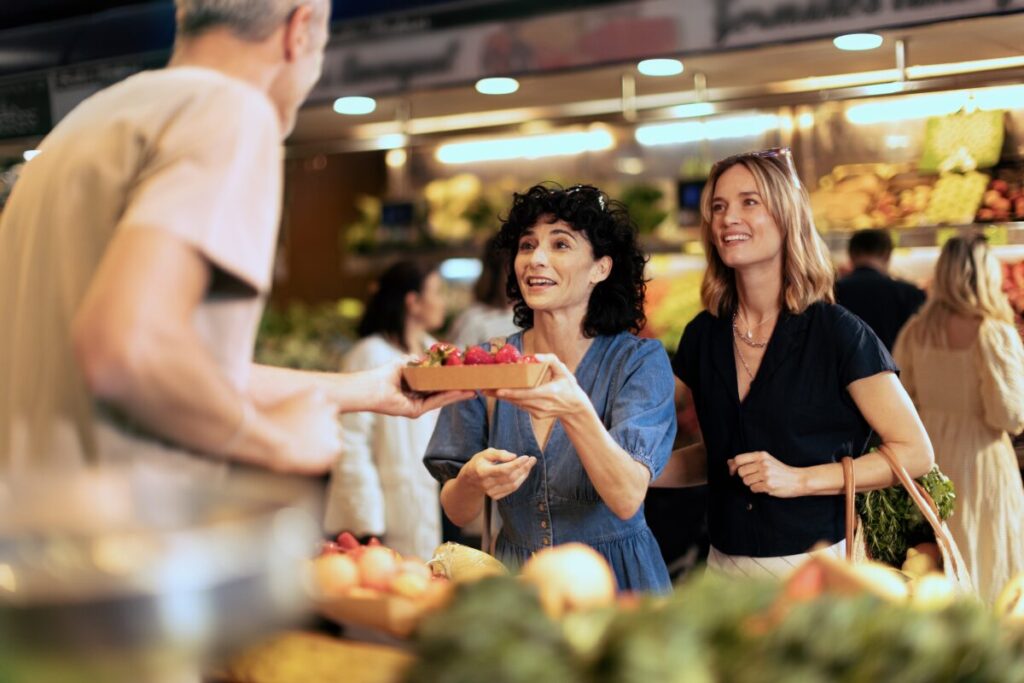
<point>454,358</point>
<point>330,548</point>
<point>347,541</point>
<point>475,355</point>
<point>528,359</point>
<point>507,354</point>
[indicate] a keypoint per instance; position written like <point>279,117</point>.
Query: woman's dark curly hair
<point>616,304</point>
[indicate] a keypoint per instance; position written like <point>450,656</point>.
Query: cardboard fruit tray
<point>392,614</point>
<point>449,377</point>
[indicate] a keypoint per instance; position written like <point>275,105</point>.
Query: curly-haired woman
<point>570,460</point>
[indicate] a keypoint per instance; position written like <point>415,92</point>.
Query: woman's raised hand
<point>496,472</point>
<point>560,395</point>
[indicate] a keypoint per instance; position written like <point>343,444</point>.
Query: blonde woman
<point>963,364</point>
<point>785,382</point>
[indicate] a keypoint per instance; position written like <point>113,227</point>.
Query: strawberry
<point>475,355</point>
<point>439,352</point>
<point>347,541</point>
<point>506,354</point>
<point>454,358</point>
<point>528,359</point>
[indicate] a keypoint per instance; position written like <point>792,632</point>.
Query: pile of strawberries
<point>442,353</point>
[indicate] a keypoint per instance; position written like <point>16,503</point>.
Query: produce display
<point>1003,199</point>
<point>346,566</point>
<point>446,367</point>
<point>859,196</point>
<point>443,354</point>
<point>829,622</point>
<point>956,198</point>
<point>1013,285</point>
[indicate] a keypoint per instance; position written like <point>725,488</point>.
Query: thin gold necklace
<point>748,337</point>
<point>743,362</point>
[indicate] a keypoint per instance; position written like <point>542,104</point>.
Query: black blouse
<point>798,409</point>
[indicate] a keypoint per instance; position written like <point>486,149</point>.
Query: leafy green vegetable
<point>495,631</point>
<point>714,630</point>
<point>892,523</point>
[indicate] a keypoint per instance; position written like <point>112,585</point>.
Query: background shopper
<point>882,301</point>
<point>380,487</point>
<point>963,364</point>
<point>490,315</point>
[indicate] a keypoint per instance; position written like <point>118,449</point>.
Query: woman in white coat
<point>379,486</point>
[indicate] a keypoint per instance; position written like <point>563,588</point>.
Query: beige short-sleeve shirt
<point>185,150</point>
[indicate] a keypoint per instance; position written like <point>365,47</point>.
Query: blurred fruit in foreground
<point>570,577</point>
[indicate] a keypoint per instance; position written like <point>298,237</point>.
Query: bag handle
<point>920,497</point>
<point>488,541</point>
<point>850,486</point>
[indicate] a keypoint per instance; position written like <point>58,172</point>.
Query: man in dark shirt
<point>883,302</point>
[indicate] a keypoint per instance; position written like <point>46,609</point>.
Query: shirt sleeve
<point>460,433</point>
<point>684,360</point>
<point>861,353</point>
<point>1001,366</point>
<point>642,415</point>
<point>213,179</point>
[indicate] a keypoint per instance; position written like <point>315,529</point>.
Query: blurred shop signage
<point>24,108</point>
<point>757,21</point>
<point>70,85</point>
<point>607,33</point>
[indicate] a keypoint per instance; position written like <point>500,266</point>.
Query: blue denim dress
<point>630,383</point>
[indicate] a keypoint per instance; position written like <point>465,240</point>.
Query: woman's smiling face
<point>555,266</point>
<point>743,229</point>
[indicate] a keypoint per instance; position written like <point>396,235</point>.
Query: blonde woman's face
<point>742,228</point>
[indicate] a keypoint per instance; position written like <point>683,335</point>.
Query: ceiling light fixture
<point>858,41</point>
<point>722,128</point>
<point>660,67</point>
<point>355,105</point>
<point>497,86</point>
<point>526,147</point>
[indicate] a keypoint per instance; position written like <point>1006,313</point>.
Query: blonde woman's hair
<point>968,282</point>
<point>807,272</point>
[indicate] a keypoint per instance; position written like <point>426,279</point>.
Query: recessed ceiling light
<point>355,106</point>
<point>497,86</point>
<point>660,67</point>
<point>857,41</point>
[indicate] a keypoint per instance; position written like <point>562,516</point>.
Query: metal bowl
<point>106,571</point>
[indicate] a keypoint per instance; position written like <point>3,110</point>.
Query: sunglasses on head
<point>586,192</point>
<point>783,154</point>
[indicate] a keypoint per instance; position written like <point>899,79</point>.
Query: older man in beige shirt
<point>135,257</point>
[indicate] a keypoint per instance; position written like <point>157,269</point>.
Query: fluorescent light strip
<point>713,129</point>
<point>935,104</point>
<point>525,147</point>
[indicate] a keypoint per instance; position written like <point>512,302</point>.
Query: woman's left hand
<point>561,395</point>
<point>763,473</point>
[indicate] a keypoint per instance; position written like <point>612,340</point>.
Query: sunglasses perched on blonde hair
<point>783,155</point>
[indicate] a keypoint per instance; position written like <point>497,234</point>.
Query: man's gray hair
<point>248,19</point>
